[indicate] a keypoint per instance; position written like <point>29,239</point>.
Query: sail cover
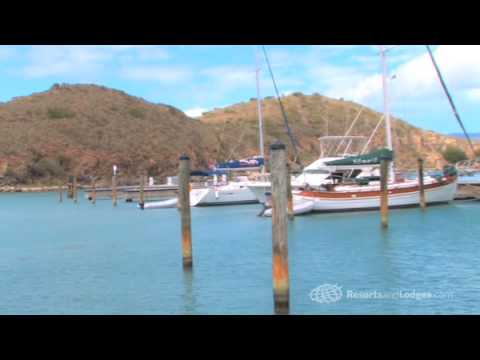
<point>254,162</point>
<point>368,159</point>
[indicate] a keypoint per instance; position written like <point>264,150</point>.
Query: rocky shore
<point>12,189</point>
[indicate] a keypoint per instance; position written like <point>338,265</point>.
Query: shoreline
<point>30,189</point>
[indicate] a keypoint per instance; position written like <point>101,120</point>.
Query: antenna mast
<point>259,107</point>
<point>386,106</point>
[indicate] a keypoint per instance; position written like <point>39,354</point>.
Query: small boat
<point>196,195</point>
<point>165,204</point>
<point>300,207</point>
<point>225,193</point>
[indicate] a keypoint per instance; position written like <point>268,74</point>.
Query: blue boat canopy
<point>253,162</point>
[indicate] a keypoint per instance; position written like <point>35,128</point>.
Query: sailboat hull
<point>333,201</point>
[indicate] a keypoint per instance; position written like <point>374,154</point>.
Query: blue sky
<point>200,78</point>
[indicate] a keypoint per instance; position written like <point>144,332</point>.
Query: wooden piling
<point>94,191</point>
<point>142,193</point>
<point>384,192</point>
<point>60,193</point>
<point>75,191</point>
<point>281,282</point>
<point>184,207</point>
<point>291,215</point>
<point>114,190</point>
<point>423,203</point>
<point>70,187</point>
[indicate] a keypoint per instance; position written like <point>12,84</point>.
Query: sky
<point>203,77</point>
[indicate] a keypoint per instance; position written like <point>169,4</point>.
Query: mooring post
<point>421,186</point>
<point>70,187</point>
<point>60,192</point>
<point>142,194</point>
<point>291,215</point>
<point>281,282</point>
<point>94,191</point>
<point>184,207</point>
<point>75,192</point>
<point>384,192</point>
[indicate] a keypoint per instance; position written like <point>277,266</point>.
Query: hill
<point>473,136</point>
<point>85,129</point>
<point>313,116</point>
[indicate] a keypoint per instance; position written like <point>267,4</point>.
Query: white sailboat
<point>401,192</point>
<point>235,192</point>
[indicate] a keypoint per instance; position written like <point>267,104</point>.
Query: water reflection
<point>189,298</point>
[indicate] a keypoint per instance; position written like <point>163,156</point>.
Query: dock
<point>132,193</point>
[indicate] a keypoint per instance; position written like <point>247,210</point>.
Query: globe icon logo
<point>326,294</point>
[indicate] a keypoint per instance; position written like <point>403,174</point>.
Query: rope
<point>450,100</point>
<point>289,131</point>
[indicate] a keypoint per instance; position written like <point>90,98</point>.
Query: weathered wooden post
<point>281,282</point>
<point>60,192</point>
<point>184,207</point>
<point>142,194</point>
<point>70,187</point>
<point>291,215</point>
<point>75,191</point>
<point>94,191</point>
<point>384,192</point>
<point>421,186</point>
<point>114,185</point>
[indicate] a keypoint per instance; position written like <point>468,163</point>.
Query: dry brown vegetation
<point>85,129</point>
<point>313,116</point>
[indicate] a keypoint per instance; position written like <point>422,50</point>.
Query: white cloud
<point>81,60</point>
<point>195,112</point>
<point>458,64</point>
<point>165,74</point>
<point>64,60</point>
<point>6,52</point>
<point>473,94</point>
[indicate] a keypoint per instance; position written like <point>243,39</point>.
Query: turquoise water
<point>66,258</point>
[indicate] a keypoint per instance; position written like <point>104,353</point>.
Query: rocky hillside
<point>85,129</point>
<point>313,116</point>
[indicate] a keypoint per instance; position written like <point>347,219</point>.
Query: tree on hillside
<point>454,154</point>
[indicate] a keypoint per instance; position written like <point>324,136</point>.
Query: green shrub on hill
<point>137,113</point>
<point>59,113</point>
<point>454,154</point>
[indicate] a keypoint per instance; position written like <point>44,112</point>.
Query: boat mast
<point>386,106</point>
<point>259,107</point>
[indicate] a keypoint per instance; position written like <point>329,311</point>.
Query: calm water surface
<point>66,258</point>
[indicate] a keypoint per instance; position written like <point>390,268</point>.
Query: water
<point>66,258</point>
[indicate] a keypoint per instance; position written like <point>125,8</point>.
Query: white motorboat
<point>469,178</point>
<point>232,193</point>
<point>196,195</point>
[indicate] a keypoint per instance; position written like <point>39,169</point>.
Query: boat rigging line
<point>285,119</point>
<point>450,100</point>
